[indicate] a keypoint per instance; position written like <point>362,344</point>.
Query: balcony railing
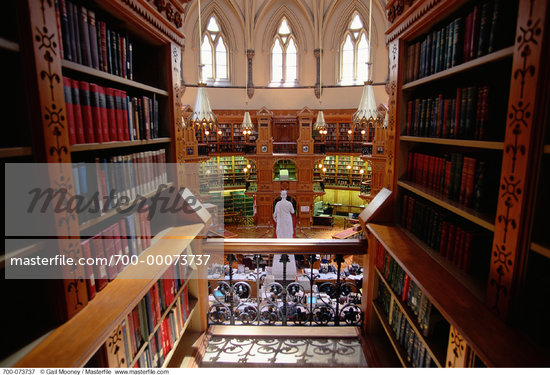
<point>285,148</point>
<point>329,295</point>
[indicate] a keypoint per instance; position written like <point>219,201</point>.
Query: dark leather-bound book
<point>86,106</point>
<point>84,35</point>
<point>92,32</point>
<point>96,112</point>
<point>77,112</point>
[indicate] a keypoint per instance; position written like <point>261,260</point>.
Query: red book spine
<point>451,241</point>
<point>467,37</point>
<point>457,113</point>
<point>104,114</point>
<point>100,271</point>
<point>425,169</point>
<point>147,117</point>
<point>67,89</point>
<point>431,179</point>
<point>119,115</point>
<point>77,112</point>
<point>111,113</point>
<point>463,179</point>
<point>124,237</point>
<point>109,245</point>
<point>87,117</point>
<point>90,278</point>
<point>96,112</point>
<point>155,296</point>
<point>165,338</point>
<point>458,244</point>
<point>168,287</point>
<point>406,286</point>
<point>447,177</point>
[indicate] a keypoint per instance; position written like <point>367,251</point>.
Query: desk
<point>323,219</point>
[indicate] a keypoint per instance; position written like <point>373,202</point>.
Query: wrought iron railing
<point>330,295</point>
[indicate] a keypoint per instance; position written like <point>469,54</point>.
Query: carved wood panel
<point>516,174</point>
<point>54,131</point>
<point>456,350</point>
<point>390,181</point>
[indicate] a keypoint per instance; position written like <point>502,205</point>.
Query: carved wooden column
<point>390,181</point>
<point>264,143</point>
<point>510,250</point>
<point>457,350</point>
<point>250,88</point>
<point>43,72</point>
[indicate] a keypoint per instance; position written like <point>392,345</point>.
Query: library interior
<point>316,183</point>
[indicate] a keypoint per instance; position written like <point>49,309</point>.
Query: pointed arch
<point>272,26</point>
<point>284,55</point>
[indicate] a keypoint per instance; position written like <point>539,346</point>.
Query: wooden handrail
<point>286,246</point>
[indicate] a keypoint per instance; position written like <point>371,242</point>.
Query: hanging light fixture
<point>247,126</point>
<point>320,124</point>
<point>202,118</point>
<point>367,114</point>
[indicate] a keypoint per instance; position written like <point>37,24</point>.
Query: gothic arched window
<point>354,53</point>
<point>214,53</point>
<point>284,55</point>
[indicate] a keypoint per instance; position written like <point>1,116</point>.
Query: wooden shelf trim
<point>455,142</point>
<point>96,220</point>
<point>542,250</point>
<point>11,152</point>
<point>391,336</point>
<point>484,220</point>
<point>117,144</point>
<point>111,77</point>
<point>284,245</point>
<point>494,342</point>
<point>495,56</point>
<point>73,343</point>
<point>436,352</point>
<point>9,45</point>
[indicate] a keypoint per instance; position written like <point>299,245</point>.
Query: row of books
<point>476,33</point>
<point>145,325</point>
<point>406,290</point>
<point>464,116</point>
<point>441,232</point>
<point>97,114</point>
<point>457,177</point>
<point>107,180</point>
<point>417,354</point>
<point>92,42</point>
<point>125,238</point>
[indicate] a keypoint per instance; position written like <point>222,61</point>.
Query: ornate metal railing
<point>330,295</point>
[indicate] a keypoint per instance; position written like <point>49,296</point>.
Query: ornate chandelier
<point>203,118</point>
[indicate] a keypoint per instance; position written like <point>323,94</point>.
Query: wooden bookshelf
<point>484,220</point>
<point>74,342</point>
<point>391,336</point>
<point>92,222</point>
<point>436,351</point>
<point>9,45</point>
<point>12,152</point>
<point>192,312</point>
<point>478,62</point>
<point>475,286</point>
<point>122,144</point>
<point>493,341</point>
<point>75,67</point>
<point>487,145</point>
